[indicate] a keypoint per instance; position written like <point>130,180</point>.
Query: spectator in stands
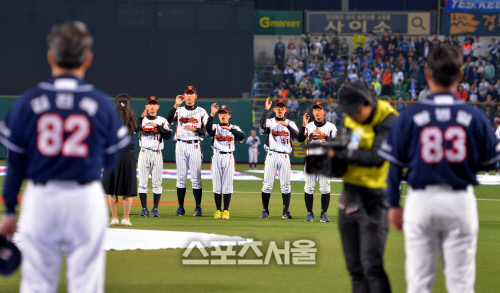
<point>317,76</point>
<point>327,75</point>
<point>335,86</point>
<point>299,74</point>
<point>325,88</point>
<point>352,66</point>
<point>356,61</point>
<point>390,52</point>
<point>285,93</point>
<point>352,76</point>
<point>328,64</point>
<point>497,86</point>
<point>316,93</point>
<point>386,82</point>
<point>483,89</point>
<point>314,53</point>
<point>455,42</point>
<point>492,92</point>
<point>336,40</point>
<point>337,63</point>
<point>465,84</point>
<point>424,52</point>
<point>477,49</point>
<point>401,104</point>
<point>462,94</point>
<point>307,39</point>
<point>359,40</point>
<point>294,90</point>
<point>466,49</point>
<point>367,73</point>
<point>331,51</point>
<point>489,71</point>
<point>469,39</point>
<point>399,89</point>
<point>478,61</point>
<point>493,50</point>
<point>276,92</point>
<point>376,86</point>
<point>424,93</point>
<point>318,45</point>
<point>397,76</point>
<point>366,61</point>
<point>277,76</point>
<point>293,105</point>
<point>293,62</point>
<point>279,42</point>
<point>331,116</point>
<point>279,55</point>
<point>288,74</point>
<point>473,93</point>
<point>468,70</point>
<point>418,43</point>
<point>413,88</point>
<point>344,49</point>
<point>291,49</point>
<point>398,38</point>
<point>323,41</point>
<point>303,105</point>
<point>385,40</point>
<point>306,92</point>
<point>303,82</point>
<point>447,40</point>
<point>303,50</point>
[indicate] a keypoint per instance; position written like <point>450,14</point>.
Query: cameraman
<point>363,220</point>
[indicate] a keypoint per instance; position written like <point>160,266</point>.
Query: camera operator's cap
<point>10,257</point>
<point>190,89</point>
<point>280,102</point>
<point>152,99</point>
<point>351,96</point>
<point>319,105</point>
<point>224,108</point>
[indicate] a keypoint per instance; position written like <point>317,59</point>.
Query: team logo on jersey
<point>313,136</point>
<point>223,106</point>
<point>188,120</point>
<point>224,138</point>
<point>280,133</point>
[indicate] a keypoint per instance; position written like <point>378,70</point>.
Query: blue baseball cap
<point>10,257</point>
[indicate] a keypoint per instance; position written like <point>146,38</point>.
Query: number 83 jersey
<point>442,140</point>
<point>279,139</point>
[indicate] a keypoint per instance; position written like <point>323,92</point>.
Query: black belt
<point>225,153</point>
<point>279,152</point>
<point>190,141</point>
<point>42,183</point>
<point>453,187</point>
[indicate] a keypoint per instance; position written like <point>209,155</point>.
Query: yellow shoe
<point>225,214</point>
<point>218,215</point>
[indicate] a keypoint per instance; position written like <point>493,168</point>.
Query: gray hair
<point>69,42</point>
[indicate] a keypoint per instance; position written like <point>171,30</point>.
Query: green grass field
<point>162,270</point>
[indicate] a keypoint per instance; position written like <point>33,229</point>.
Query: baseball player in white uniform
<point>253,143</point>
<point>224,136</point>
<point>280,132</point>
<point>191,122</point>
<point>154,129</point>
<point>317,131</point>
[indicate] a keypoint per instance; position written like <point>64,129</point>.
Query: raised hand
<point>178,101</point>
<point>268,103</point>
<point>214,109</point>
<point>144,113</point>
<point>305,119</point>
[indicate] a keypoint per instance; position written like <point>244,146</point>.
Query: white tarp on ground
<point>132,239</point>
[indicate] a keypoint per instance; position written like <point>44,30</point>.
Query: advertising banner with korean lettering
<point>411,23</point>
<point>462,23</point>
<point>471,6</point>
<point>274,22</point>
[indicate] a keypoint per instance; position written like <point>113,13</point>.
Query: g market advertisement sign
<point>271,22</point>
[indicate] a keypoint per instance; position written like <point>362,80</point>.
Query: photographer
<point>363,220</point>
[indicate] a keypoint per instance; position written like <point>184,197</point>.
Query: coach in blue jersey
<point>443,142</point>
<point>60,135</point>
<point>362,209</point>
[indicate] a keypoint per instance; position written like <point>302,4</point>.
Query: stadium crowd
<point>391,66</point>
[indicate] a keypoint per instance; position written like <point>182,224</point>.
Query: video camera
<point>323,164</point>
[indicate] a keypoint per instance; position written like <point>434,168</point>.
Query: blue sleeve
<point>249,140</point>
<point>393,182</point>
<point>15,175</point>
<point>393,149</point>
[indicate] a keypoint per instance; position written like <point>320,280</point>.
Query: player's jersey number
<point>432,148</point>
<point>51,128</point>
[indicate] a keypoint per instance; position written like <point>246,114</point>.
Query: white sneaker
<point>114,222</point>
<point>126,222</point>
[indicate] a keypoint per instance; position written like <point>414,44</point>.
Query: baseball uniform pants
<point>222,173</point>
<point>188,155</point>
<point>150,162</point>
<point>277,162</point>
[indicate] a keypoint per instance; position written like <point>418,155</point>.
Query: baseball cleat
<point>310,217</point>
<point>197,212</point>
<point>126,222</point>
<point>180,212</point>
<point>286,215</point>
<point>114,222</point>
<point>324,218</point>
<point>145,213</point>
<point>225,214</point>
<point>264,215</point>
<point>154,213</point>
<point>218,215</point>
